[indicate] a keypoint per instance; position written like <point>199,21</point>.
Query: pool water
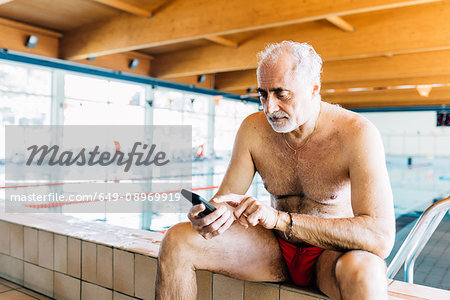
<point>415,186</point>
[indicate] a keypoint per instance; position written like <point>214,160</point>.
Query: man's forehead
<point>275,71</point>
<point>276,80</point>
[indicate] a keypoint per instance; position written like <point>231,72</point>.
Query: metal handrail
<point>417,239</point>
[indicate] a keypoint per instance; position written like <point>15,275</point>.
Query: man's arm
<point>237,179</point>
<point>241,169</point>
<point>373,226</point>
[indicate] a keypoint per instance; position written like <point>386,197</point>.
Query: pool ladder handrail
<point>417,239</point>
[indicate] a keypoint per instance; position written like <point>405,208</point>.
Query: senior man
<point>331,219</point>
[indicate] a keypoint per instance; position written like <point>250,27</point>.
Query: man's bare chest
<point>318,173</point>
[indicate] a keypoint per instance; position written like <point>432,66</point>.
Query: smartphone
<point>196,199</point>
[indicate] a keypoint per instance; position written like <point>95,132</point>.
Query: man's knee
<point>362,269</point>
<point>176,241</point>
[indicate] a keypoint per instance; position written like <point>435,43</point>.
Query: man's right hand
<point>213,224</point>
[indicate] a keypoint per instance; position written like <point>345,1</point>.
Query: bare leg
<point>352,275</point>
<point>249,254</point>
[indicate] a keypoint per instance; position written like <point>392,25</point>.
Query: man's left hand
<point>250,211</point>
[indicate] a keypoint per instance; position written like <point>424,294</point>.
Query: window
<point>25,97</point>
<point>229,116</point>
<point>96,101</point>
<point>178,108</point>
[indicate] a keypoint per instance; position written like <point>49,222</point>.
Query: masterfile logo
<point>95,157</point>
<point>124,166</point>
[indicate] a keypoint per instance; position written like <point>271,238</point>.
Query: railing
<point>417,239</point>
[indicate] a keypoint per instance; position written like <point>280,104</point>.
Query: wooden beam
<point>438,96</point>
<point>140,55</point>
<point>401,103</point>
<point>14,39</point>
<point>120,62</point>
<point>132,54</point>
<point>397,98</point>
<point>235,80</point>
<point>416,68</point>
<point>374,37</point>
<point>30,28</point>
<point>222,41</point>
<point>400,66</point>
<point>189,20</point>
<point>241,80</point>
<point>434,79</point>
<point>391,91</point>
<point>340,23</point>
<point>192,80</point>
<point>125,6</point>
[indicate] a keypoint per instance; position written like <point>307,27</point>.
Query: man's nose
<point>272,104</point>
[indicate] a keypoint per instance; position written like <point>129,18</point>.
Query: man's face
<point>286,99</point>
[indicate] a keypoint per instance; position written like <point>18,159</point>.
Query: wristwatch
<point>291,224</point>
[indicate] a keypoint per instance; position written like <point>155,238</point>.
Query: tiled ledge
<point>68,258</point>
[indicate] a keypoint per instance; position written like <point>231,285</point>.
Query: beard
<point>281,122</point>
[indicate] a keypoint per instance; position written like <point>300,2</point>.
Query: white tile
<point>257,291</point>
<point>16,240</point>
<point>104,266</point>
<point>45,249</point>
<point>30,247</point>
<point>307,291</point>
<point>124,272</point>
<point>291,295</point>
<point>91,291</point>
<point>66,287</point>
<point>74,257</point>
<point>119,296</point>
<point>204,285</point>
<point>4,237</point>
<point>11,268</point>
<point>60,253</point>
<point>38,279</point>
<point>89,261</point>
<point>227,288</point>
<point>145,276</point>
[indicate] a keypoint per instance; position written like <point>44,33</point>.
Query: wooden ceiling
<point>375,52</point>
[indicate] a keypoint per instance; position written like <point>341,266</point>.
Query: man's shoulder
<point>352,123</point>
<point>258,116</point>
<point>252,131</point>
<point>254,122</point>
<point>362,134</point>
<point>353,128</point>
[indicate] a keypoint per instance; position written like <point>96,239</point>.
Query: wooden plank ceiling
<point>375,52</point>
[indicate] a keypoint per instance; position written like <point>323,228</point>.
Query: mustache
<point>277,115</point>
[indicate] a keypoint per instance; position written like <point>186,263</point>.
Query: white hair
<point>308,62</point>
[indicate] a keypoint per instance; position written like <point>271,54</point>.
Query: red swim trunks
<point>301,262</point>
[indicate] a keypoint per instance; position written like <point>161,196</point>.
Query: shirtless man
<point>331,219</point>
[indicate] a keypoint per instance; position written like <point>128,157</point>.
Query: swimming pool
<point>415,186</point>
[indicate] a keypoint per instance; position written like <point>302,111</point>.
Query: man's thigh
<point>325,271</point>
<point>332,265</point>
<point>251,254</point>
